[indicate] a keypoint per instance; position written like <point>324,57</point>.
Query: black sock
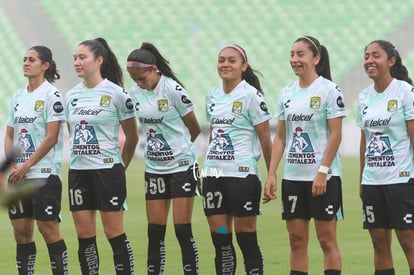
<point>253,259</point>
<point>156,249</point>
<point>25,258</point>
<point>58,255</point>
<point>188,246</point>
<point>88,256</point>
<point>390,271</point>
<point>295,272</point>
<point>123,255</point>
<point>332,272</point>
<point>225,260</point>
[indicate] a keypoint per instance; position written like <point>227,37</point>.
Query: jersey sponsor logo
<point>301,150</point>
<point>315,102</point>
<point>377,122</point>
<point>211,107</point>
<point>89,112</point>
<point>185,99</point>
<point>379,152</point>
<point>25,119</point>
<point>57,93</point>
<point>105,101</point>
<point>299,117</point>
<point>222,120</point>
<point>263,107</point>
<point>221,147</point>
<point>26,144</point>
<point>85,141</point>
<point>74,102</point>
<point>340,102</point>
<point>178,88</point>
<point>151,120</point>
<point>237,107</point>
<point>286,104</point>
<point>15,107</point>
<point>129,104</point>
<point>163,105</point>
<point>392,105</point>
<point>158,148</point>
<point>39,106</point>
<point>58,107</point>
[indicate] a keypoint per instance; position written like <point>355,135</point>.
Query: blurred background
<point>190,33</point>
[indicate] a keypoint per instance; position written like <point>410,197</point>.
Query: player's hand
<point>18,174</point>
<point>270,189</point>
<point>319,185</point>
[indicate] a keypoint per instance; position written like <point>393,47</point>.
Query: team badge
<point>237,107</point>
<point>315,102</point>
<point>392,105</point>
<point>163,105</point>
<point>39,106</point>
<point>105,101</point>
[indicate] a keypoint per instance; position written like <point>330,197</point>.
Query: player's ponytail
<point>148,54</point>
<point>110,68</point>
<point>45,55</point>
<point>323,68</point>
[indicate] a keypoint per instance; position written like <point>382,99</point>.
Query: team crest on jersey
<point>315,102</point>
<point>392,105</point>
<point>158,148</point>
<point>237,107</point>
<point>221,147</point>
<point>379,151</point>
<point>39,106</point>
<point>163,105</point>
<point>301,150</point>
<point>105,101</point>
<point>26,144</point>
<point>85,141</point>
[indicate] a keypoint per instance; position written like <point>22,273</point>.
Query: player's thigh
<point>183,210</point>
<point>157,211</point>
<point>85,223</point>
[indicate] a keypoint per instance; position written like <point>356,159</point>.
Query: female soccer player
<point>239,120</point>
<point>168,120</point>
<point>386,118</point>
<point>35,125</point>
<point>95,108</point>
<point>309,113</point>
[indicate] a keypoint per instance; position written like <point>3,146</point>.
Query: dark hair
<point>45,55</point>
<point>249,74</point>
<point>110,68</point>
<point>149,54</point>
<point>398,70</point>
<point>322,68</point>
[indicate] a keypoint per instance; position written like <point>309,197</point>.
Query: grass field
<point>354,242</point>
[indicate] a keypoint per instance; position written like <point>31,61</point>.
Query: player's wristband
<point>324,169</point>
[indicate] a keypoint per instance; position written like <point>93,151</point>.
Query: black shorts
<point>239,197</point>
<point>168,186</point>
<point>100,189</point>
<point>388,206</point>
<point>43,204</point>
<point>298,202</point>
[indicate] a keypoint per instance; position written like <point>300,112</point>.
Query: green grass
<point>354,242</point>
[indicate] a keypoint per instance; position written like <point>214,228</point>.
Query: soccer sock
<point>123,255</point>
<point>25,258</point>
<point>88,256</point>
<point>295,272</point>
<point>253,259</point>
<point>156,249</point>
<point>189,251</point>
<point>225,260</point>
<point>58,255</point>
<point>332,272</point>
<point>390,271</point>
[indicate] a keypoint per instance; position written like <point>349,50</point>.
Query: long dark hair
<point>45,55</point>
<point>323,68</point>
<point>110,68</point>
<point>150,55</point>
<point>398,70</point>
<point>249,75</point>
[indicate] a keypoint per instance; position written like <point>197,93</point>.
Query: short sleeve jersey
<point>94,117</point>
<point>382,117</point>
<point>168,147</point>
<point>29,114</point>
<point>306,112</point>
<point>234,148</point>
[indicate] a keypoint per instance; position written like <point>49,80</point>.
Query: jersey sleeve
<point>10,117</point>
<point>55,109</point>
<point>182,102</point>
<point>125,105</point>
<point>335,103</point>
<point>280,110</point>
<point>258,111</point>
<point>408,103</point>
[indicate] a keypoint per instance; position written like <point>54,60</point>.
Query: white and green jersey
<point>168,147</point>
<point>29,114</point>
<point>234,149</point>
<point>306,112</point>
<point>94,117</point>
<point>382,117</point>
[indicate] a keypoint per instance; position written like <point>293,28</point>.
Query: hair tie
<point>139,65</point>
<point>313,43</point>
